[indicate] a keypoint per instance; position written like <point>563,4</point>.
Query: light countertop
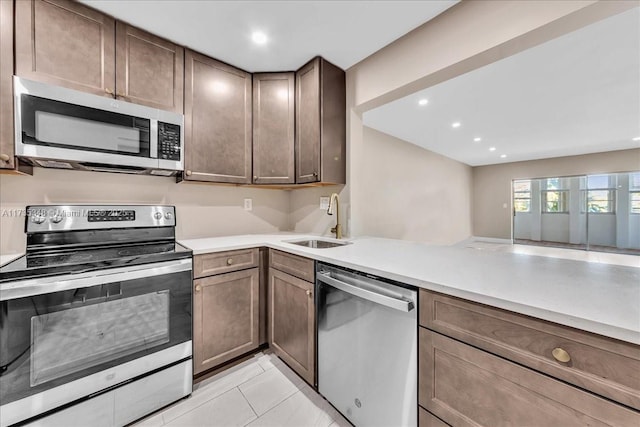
<point>595,297</point>
<point>7,258</point>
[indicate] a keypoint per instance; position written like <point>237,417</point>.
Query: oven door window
<point>51,339</point>
<point>59,124</point>
<point>64,342</point>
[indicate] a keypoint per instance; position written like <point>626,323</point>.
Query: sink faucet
<point>335,200</point>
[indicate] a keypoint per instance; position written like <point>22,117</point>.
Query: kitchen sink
<point>319,244</point>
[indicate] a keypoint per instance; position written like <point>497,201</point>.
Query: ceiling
<point>343,32</point>
<point>576,94</point>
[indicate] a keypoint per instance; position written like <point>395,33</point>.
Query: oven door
<point>109,325</point>
<point>62,124</point>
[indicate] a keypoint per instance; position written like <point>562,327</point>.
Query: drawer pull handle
<point>198,288</point>
<point>230,261</point>
<point>561,355</point>
<point>309,293</point>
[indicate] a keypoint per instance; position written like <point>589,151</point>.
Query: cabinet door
<point>308,123</point>
<point>465,386</point>
<point>273,128</point>
<point>6,85</point>
<point>292,322</point>
<point>67,44</point>
<point>217,121</point>
<point>149,70</point>
<point>226,317</point>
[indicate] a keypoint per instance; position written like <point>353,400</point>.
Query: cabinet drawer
<point>605,366</point>
<point>224,262</point>
<point>465,386</point>
<point>303,268</point>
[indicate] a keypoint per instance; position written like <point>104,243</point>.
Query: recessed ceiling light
<point>477,139</point>
<point>502,156</point>
<point>423,101</point>
<point>455,125</point>
<point>259,37</point>
<point>492,148</point>
<point>637,138</point>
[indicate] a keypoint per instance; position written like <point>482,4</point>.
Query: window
<point>555,196</point>
<point>522,196</point>
<point>634,193</point>
<point>601,194</point>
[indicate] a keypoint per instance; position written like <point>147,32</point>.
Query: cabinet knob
<point>198,288</point>
<point>561,355</point>
<point>188,173</point>
<point>230,261</point>
<point>255,177</point>
<point>309,293</point>
<point>315,174</point>
<point>108,91</point>
<point>4,157</point>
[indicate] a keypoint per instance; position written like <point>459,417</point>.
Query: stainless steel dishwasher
<point>367,347</point>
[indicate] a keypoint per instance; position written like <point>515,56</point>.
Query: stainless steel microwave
<point>63,128</point>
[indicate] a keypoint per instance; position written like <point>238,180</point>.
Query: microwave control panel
<point>168,141</point>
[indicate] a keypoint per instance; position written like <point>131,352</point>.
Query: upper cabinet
<point>273,128</point>
<point>320,123</point>
<point>6,92</point>
<point>149,70</point>
<point>68,44</point>
<point>217,121</point>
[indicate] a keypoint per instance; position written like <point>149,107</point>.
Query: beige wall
<point>492,184</point>
<point>202,210</point>
<point>412,193</point>
<point>306,215</point>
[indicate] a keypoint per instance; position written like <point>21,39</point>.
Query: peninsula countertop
<point>595,297</point>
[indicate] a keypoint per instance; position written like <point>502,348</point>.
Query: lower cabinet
<point>226,320</point>
<point>292,322</point>
<point>480,366</point>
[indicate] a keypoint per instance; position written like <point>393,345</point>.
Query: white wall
<point>202,210</point>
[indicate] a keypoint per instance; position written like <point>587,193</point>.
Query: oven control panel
<point>168,141</point>
<point>45,218</point>
<point>111,215</point>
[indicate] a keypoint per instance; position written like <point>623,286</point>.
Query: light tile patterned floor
<point>262,391</point>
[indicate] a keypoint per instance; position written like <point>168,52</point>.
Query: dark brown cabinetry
<point>149,70</point>
<point>6,85</point>
<point>502,368</point>
<point>217,121</point>
<point>292,316</point>
<point>226,308</point>
<point>273,128</point>
<point>67,44</point>
<point>320,123</point>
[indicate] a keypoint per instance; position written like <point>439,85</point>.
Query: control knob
<point>38,218</point>
<point>157,215</point>
<point>56,218</point>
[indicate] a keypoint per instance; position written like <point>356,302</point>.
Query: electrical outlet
<point>324,203</point>
<point>248,204</point>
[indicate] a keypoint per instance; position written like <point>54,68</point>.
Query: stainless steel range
<point>95,319</point>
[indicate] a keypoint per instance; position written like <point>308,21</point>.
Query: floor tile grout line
<point>196,407</point>
<point>250,406</point>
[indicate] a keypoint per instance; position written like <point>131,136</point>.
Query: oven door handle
<point>47,285</point>
<point>369,295</point>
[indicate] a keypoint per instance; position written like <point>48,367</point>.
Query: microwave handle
<point>153,139</point>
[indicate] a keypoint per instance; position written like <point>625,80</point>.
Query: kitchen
<point>243,236</point>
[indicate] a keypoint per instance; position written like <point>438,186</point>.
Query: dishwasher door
<point>367,348</point>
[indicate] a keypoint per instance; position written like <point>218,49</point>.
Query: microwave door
<point>57,123</point>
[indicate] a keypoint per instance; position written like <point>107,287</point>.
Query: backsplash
<point>202,210</point>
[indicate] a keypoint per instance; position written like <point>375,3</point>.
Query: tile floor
<point>262,391</point>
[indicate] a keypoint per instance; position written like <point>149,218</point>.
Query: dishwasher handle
<point>387,301</point>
